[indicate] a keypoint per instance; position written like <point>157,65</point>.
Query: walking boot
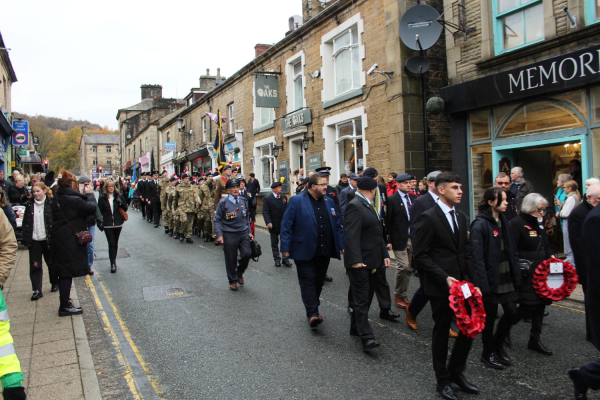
<point>166,230</point>
<point>206,239</point>
<point>181,238</point>
<point>176,236</point>
<point>536,344</point>
<point>67,309</point>
<point>171,232</point>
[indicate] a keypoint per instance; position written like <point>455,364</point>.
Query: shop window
<point>518,23</point>
<point>267,166</point>
<point>595,99</point>
<point>481,172</point>
<point>538,117</point>
<point>479,126</point>
<point>592,11</point>
<point>350,146</point>
<point>596,152</point>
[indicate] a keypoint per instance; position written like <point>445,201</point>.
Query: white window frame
<point>354,137</point>
<point>109,149</point>
<point>231,118</point>
<point>258,165</point>
<point>94,149</point>
<point>328,68</point>
<point>204,129</point>
<point>94,162</point>
<point>290,80</point>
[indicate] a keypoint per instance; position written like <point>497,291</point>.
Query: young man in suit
<point>398,227</point>
<point>365,259</point>
<point>344,199</point>
<point>311,235</point>
<point>273,209</point>
<point>141,188</point>
<point>443,252</point>
<point>153,210</point>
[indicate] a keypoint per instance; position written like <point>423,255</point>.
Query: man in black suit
<point>398,226</point>
<point>344,199</point>
<point>443,252</point>
<point>273,209</point>
<point>365,259</point>
<point>141,188</point>
<point>153,210</point>
<point>503,181</point>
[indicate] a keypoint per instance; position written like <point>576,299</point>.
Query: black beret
<point>370,173</point>
<point>275,184</point>
<point>366,183</point>
<point>232,183</point>
<point>172,179</point>
<point>404,177</point>
<point>184,175</point>
<point>202,178</point>
<point>215,173</point>
<point>226,167</point>
<point>164,171</point>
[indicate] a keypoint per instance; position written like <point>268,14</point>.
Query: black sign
<point>296,119</point>
<point>566,71</point>
<point>36,141</point>
<point>284,172</point>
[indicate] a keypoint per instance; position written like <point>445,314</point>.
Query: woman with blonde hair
<point>573,199</point>
<point>70,210</point>
<point>37,230</point>
<point>110,203</point>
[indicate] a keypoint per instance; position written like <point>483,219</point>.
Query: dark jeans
<point>64,289</point>
<point>443,317</point>
<point>36,251</point>
<point>112,237</point>
<point>275,246</point>
<point>311,276</point>
<point>590,374</point>
<point>232,242</point>
<point>487,336</point>
<point>515,314</point>
<point>362,286</point>
<point>419,299</point>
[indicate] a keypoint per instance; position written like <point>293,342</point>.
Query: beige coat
<point>8,248</point>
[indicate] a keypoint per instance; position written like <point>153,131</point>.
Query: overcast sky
<point>85,60</point>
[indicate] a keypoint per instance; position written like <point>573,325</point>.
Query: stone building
<point>7,78</point>
<point>524,91</point>
<point>345,119</point>
<point>138,134</point>
<point>98,150</point>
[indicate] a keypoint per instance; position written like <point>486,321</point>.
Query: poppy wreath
<point>540,280</point>
<point>469,325</point>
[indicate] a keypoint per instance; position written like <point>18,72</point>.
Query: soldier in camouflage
<point>185,202</point>
<point>175,223</point>
<point>166,205</point>
<point>199,222</point>
<point>207,208</point>
<point>163,183</point>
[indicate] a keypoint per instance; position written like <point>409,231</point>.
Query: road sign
<point>36,141</point>
<point>21,137</point>
<point>12,164</point>
<point>170,146</point>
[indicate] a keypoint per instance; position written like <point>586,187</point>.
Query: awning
<point>32,159</point>
<point>5,128</point>
<point>179,160</point>
<point>198,153</point>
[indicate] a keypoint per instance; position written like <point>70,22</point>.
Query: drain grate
<point>174,291</point>
<point>103,254</point>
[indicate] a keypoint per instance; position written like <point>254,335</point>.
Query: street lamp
<point>125,126</point>
<point>305,141</point>
<point>180,124</point>
<point>276,149</point>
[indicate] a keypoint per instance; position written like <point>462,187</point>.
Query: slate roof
<point>99,138</point>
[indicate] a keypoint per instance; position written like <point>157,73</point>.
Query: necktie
<point>236,201</point>
<point>408,202</point>
<point>454,226</point>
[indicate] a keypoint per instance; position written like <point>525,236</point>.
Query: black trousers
<point>362,286</point>
<point>232,243</point>
<point>155,212</point>
<point>311,277</point>
<point>143,205</point>
<point>590,374</point>
<point>443,316</point>
<point>536,312</point>
<point>112,237</point>
<point>381,288</point>
<point>487,336</point>
<point>275,246</point>
<point>419,299</point>
<point>36,270</point>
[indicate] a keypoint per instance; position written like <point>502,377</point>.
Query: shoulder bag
<point>123,213</point>
<point>525,265</point>
<point>83,237</point>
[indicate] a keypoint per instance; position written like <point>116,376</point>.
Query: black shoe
<point>490,361</point>
<point>464,384</point>
<point>189,240</point>
<point>446,392</point>
<point>166,230</point>
<point>502,357</point>
<point>350,310</point>
<point>71,304</point>
<point>286,262</point>
<point>156,225</point>
<point>370,344</point>
<point>181,238</point>
<point>546,313</point>
<point>37,294</point>
<point>277,263</point>
<point>54,288</point>
<point>206,239</point>
<point>389,315</point>
<point>328,278</point>
<point>170,232</point>
<point>176,236</point>
<point>580,387</point>
<point>113,268</point>
<point>66,310</point>
<point>536,344</point>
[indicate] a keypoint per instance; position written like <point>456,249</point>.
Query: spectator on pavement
<point>7,208</point>
<point>392,186</point>
<point>342,183</point>
<point>70,210</point>
<point>519,187</point>
<point>5,184</point>
<point>85,188</point>
<point>18,193</point>
<point>37,230</point>
<point>560,196</point>
<point>590,182</point>
<point>15,173</point>
<point>111,202</point>
<point>573,199</point>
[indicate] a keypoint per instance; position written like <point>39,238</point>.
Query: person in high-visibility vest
<point>10,368</point>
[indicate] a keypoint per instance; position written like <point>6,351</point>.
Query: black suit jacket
<point>273,210</point>
<point>419,206</point>
<point>141,188</point>
<point>575,226</point>
<point>397,221</point>
<point>363,235</point>
<point>151,189</point>
<point>438,253</point>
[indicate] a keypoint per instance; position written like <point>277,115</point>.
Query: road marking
<point>569,308</point>
<point>127,353</point>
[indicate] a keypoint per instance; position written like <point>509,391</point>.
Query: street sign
<point>170,146</point>
<point>12,164</point>
<point>21,137</point>
<point>36,141</point>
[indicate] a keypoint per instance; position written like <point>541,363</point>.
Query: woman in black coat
<point>37,231</point>
<point>70,210</point>
<point>494,253</point>
<point>532,244</point>
<point>109,204</point>
<point>18,193</point>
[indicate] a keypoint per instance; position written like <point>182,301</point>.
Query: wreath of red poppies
<point>540,280</point>
<point>469,325</point>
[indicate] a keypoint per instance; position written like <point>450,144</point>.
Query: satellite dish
<point>419,27</point>
<point>417,65</point>
<point>373,68</point>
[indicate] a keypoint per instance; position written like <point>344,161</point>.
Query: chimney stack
<point>83,130</point>
<point>261,48</point>
<point>151,92</point>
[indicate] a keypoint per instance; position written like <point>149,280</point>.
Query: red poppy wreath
<point>469,325</point>
<point>540,280</point>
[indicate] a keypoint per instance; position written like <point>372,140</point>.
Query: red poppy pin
<point>528,227</point>
<point>284,200</point>
<point>495,233</point>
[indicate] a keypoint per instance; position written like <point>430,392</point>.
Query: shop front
<point>200,160</point>
<point>543,117</point>
<point>6,133</point>
<point>145,162</point>
<point>166,163</point>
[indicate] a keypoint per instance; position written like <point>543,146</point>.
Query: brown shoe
<point>401,301</point>
<point>233,286</point>
<point>241,280</point>
<point>411,321</point>
<point>453,334</point>
<point>321,317</point>
<point>314,321</point>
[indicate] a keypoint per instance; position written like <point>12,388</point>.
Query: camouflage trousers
<point>207,228</point>
<point>199,221</point>
<point>167,219</point>
<point>187,223</point>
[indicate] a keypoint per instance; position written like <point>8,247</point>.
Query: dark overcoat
<point>575,225</point>
<point>70,259</point>
<point>27,226</point>
<point>112,218</point>
<point>591,238</point>
<point>273,210</point>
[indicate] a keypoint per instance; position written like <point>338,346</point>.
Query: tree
<point>64,152</point>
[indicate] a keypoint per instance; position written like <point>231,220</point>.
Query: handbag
<point>123,214</point>
<point>255,250</point>
<point>525,265</point>
<point>83,237</point>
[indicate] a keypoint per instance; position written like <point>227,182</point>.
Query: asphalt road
<point>203,341</point>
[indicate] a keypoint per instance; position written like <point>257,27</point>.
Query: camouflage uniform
<point>199,221</point>
<point>166,206</point>
<point>185,202</point>
<point>174,222</point>
<point>207,209</point>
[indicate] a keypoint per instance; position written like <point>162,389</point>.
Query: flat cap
<point>366,183</point>
<point>354,176</point>
<point>275,184</point>
<point>370,173</point>
<point>84,179</point>
<point>404,177</point>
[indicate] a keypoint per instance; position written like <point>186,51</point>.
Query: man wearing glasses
<point>503,181</point>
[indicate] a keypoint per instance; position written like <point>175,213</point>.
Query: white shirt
<point>405,199</point>
<point>436,198</point>
<point>446,211</point>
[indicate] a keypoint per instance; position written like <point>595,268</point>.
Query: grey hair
<point>593,190</point>
<point>592,181</point>
<point>532,202</point>
<point>518,170</point>
<point>564,177</point>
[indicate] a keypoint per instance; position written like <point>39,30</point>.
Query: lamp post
<point>305,141</point>
<point>276,149</point>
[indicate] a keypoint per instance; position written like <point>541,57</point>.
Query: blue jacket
<point>299,228</point>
